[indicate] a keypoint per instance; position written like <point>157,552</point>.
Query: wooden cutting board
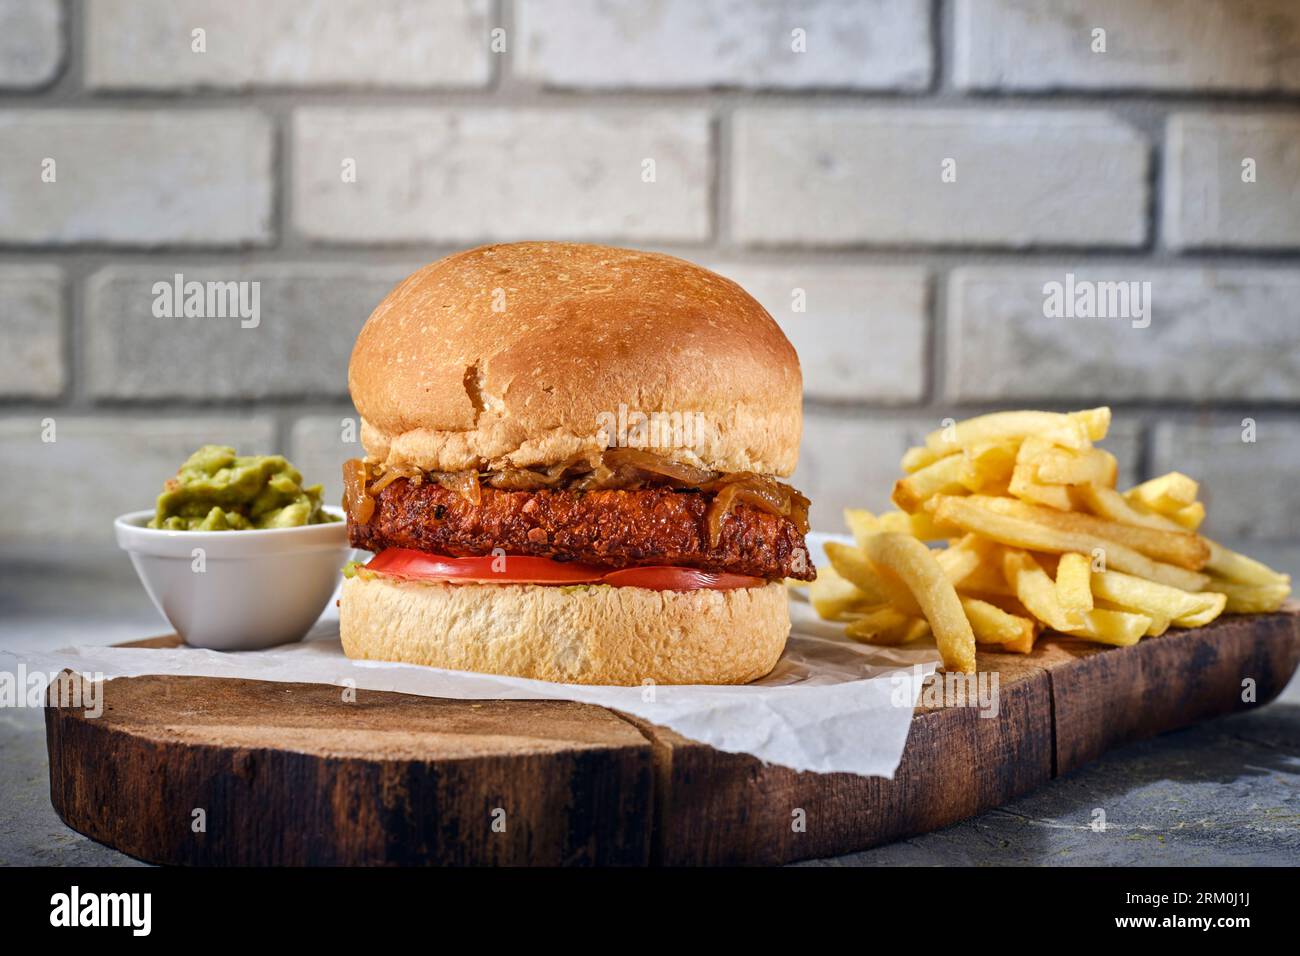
<point>196,770</point>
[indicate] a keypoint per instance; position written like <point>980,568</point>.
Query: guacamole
<point>217,490</point>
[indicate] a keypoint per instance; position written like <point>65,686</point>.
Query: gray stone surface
<point>1245,45</point>
<point>460,176</point>
<point>862,334</point>
<point>31,331</point>
<point>1223,793</point>
<point>31,42</point>
<point>308,318</point>
<point>1214,334</point>
<point>147,44</point>
<point>1208,203</point>
<point>856,176</point>
<point>658,44</point>
<point>1249,487</point>
<point>136,177</point>
<point>98,468</point>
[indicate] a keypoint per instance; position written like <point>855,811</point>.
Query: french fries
<point>1074,583</point>
<point>917,568</point>
<point>1035,536</point>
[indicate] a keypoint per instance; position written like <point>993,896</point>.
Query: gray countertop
<point>1226,792</point>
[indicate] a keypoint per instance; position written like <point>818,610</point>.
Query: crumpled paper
<point>831,705</point>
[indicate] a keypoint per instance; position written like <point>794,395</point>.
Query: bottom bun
<point>573,635</point>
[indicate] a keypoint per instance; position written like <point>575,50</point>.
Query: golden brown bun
<point>444,381</point>
<point>601,635</point>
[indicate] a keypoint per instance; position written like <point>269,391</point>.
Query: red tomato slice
<point>506,569</point>
<point>679,579</point>
<point>415,565</point>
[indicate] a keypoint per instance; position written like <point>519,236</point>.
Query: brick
<point>147,44</point>
<point>1240,45</point>
<point>1247,486</point>
<point>675,44</point>
<point>308,318</point>
<point>31,42</point>
<point>1213,335</point>
<point>134,455</point>
<point>1207,204</point>
<point>845,177</point>
<point>461,176</point>
<point>31,334</point>
<point>319,445</point>
<point>137,177</point>
<point>864,332</point>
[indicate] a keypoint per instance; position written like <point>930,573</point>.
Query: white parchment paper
<point>831,705</point>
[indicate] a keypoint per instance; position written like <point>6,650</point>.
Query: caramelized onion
<point>657,465</point>
<point>357,500</point>
<point>464,483</point>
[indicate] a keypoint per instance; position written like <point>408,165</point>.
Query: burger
<point>573,471</point>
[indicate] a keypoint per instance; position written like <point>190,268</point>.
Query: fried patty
<point>610,529</point>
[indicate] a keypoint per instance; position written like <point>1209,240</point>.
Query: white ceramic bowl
<point>237,590</point>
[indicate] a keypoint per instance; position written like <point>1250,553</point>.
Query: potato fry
<point>1073,430</point>
<point>1251,598</point>
<point>1191,516</point>
<point>919,525</point>
<point>992,625</point>
<point>1060,466</point>
<point>1117,628</point>
<point>832,596</point>
<point>1025,487</point>
<point>887,626</point>
<point>1074,582</point>
<point>1037,591</point>
<point>1156,600</point>
<point>1182,548</point>
<point>989,464</point>
<point>1226,563</point>
<point>974,515</point>
<point>944,476</point>
<point>853,566</point>
<point>1166,494</point>
<point>917,568</point>
<point>861,523</point>
<point>963,558</point>
<point>917,457</point>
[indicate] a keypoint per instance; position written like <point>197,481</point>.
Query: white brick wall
<point>861,334</point>
<point>1148,44</point>
<point>675,44</point>
<point>319,444</point>
<point>1233,181</point>
<point>1213,335</point>
<point>463,176</point>
<point>31,42</point>
<point>1249,487</point>
<point>150,44</point>
<point>845,177</point>
<point>31,331</point>
<point>135,177</point>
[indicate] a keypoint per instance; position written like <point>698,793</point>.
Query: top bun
<point>531,353</point>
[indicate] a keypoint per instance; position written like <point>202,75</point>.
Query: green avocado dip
<point>217,490</point>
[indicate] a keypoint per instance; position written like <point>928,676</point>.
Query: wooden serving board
<point>292,774</point>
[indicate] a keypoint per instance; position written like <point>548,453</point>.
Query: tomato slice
<point>410,564</point>
<point>678,579</point>
<point>503,569</point>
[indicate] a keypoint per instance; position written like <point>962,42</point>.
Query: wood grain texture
<point>293,774</point>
